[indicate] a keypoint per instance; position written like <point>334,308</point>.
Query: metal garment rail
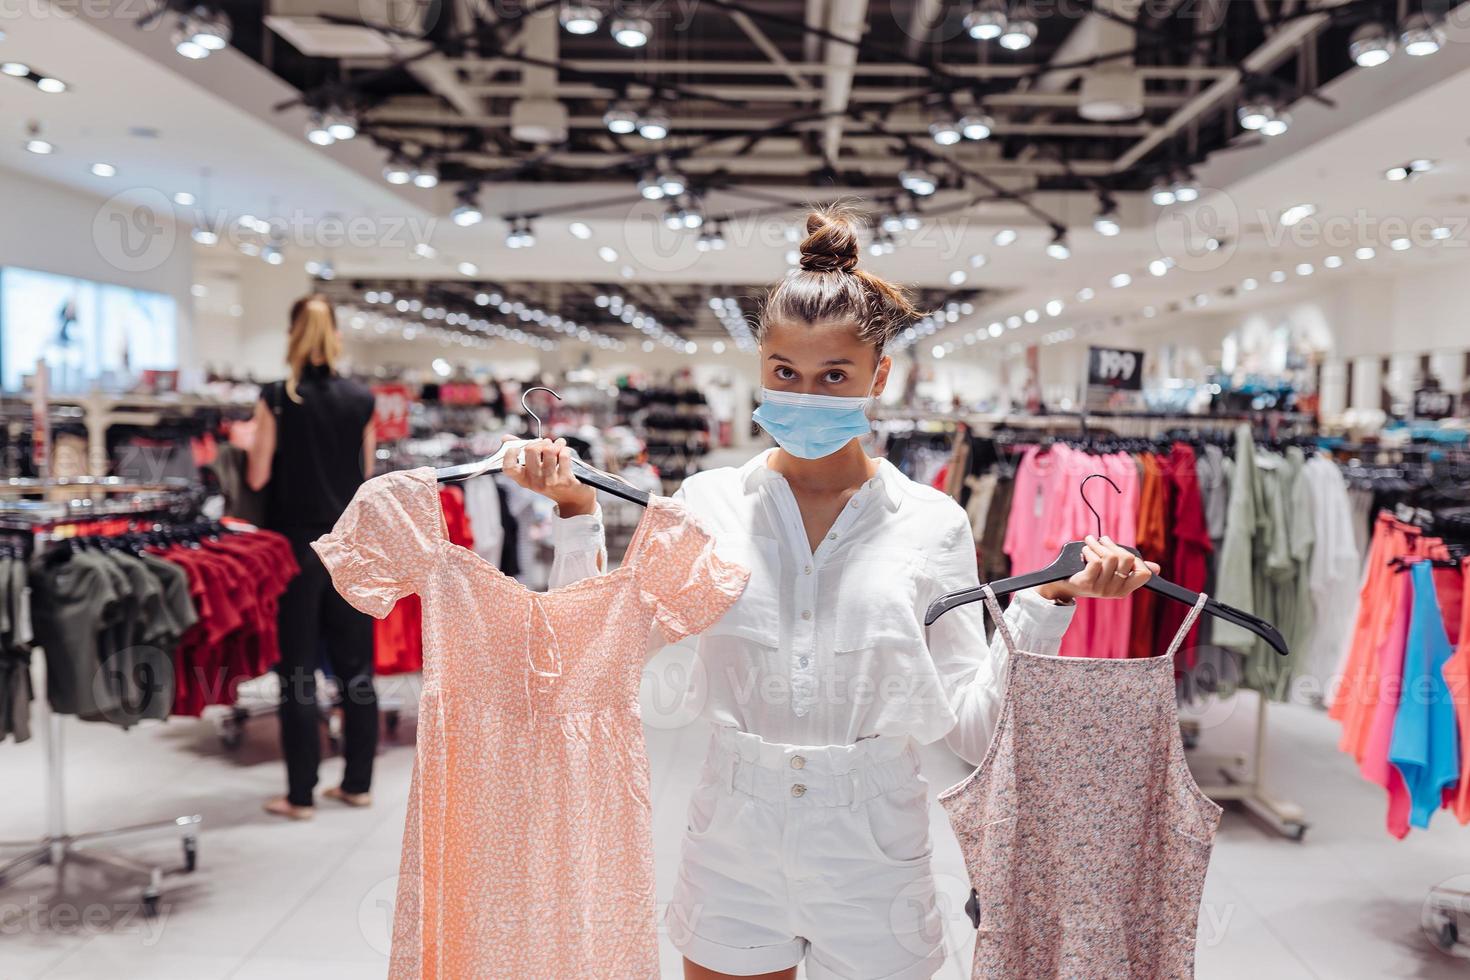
<point>59,847</point>
<point>1240,776</point>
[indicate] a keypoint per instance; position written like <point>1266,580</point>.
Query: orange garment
<point>1457,676</point>
<point>1153,542</point>
<point>398,645</point>
<point>1357,695</point>
<point>528,847</point>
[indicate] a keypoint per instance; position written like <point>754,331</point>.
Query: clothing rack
<point>46,521</point>
<point>1239,776</point>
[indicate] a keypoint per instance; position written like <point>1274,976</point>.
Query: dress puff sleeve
<point>385,543</point>
<point>683,582</point>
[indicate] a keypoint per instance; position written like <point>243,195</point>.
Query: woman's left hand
<point>1112,571</point>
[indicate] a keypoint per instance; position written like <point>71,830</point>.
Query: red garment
<point>1153,518</point>
<point>1186,560</point>
<point>398,644</point>
<point>1374,764</point>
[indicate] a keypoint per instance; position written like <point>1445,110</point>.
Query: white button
<point>802,662</point>
<point>797,762</point>
<point>856,504</point>
<point>806,614</point>
<point>832,536</point>
<point>806,570</point>
<point>873,483</point>
<point>798,790</point>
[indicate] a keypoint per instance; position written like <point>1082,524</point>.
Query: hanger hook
<point>1083,491</point>
<point>527,408</point>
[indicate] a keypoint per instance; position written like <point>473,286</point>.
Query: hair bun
<point>831,243</point>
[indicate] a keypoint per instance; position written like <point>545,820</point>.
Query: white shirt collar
<point>757,472</point>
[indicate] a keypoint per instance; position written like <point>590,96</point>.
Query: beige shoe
<point>282,807</point>
<point>350,799</point>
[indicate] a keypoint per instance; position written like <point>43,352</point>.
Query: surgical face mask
<point>812,426</point>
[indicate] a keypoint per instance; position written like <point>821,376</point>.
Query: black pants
<point>314,617</point>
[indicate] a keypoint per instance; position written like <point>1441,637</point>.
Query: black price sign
<point>1433,403</point>
<point>1109,367</point>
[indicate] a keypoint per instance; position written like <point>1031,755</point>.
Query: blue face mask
<point>812,426</point>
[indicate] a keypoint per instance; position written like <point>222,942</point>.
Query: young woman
<point>808,835</point>
<point>313,447</point>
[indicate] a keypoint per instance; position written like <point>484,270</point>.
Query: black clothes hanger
<point>583,472</point>
<point>1071,561</point>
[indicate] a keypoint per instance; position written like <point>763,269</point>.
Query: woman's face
<point>821,359</point>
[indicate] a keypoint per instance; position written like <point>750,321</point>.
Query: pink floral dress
<point>527,851</point>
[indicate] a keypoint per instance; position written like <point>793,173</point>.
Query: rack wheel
<point>150,903</point>
<point>1190,740</point>
<point>1448,935</point>
<point>1296,831</point>
<point>391,720</point>
<point>231,733</point>
<point>191,853</point>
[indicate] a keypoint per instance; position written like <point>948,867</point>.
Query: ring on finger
<point>1122,574</point>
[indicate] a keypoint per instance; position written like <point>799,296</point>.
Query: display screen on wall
<point>89,333</point>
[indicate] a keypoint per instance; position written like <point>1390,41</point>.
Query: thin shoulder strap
<point>998,618</point>
<point>1188,623</point>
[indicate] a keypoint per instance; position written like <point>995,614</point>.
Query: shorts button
<point>806,614</point>
<point>802,662</point>
<point>797,762</point>
<point>798,790</point>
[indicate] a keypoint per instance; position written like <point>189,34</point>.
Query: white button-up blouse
<point>827,647</point>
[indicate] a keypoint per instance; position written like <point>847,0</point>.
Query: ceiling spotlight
<point>1085,293</point>
<point>342,125</point>
<point>15,69</point>
<point>1018,34</point>
<point>1162,193</point>
<point>649,187</point>
<point>103,170</point>
<point>468,269</point>
<point>427,175</point>
<point>398,170</point>
<point>1254,114</point>
<point>987,20</point>
<point>978,260</point>
<point>1004,237</point>
<point>917,180</point>
<point>580,18</point>
<point>1105,222</point>
<point>1278,276</point>
<point>945,131</point>
<point>620,119</point>
<point>671,181</point>
<point>1370,45</point>
<point>1409,170</point>
<point>317,131</point>
<point>51,86</point>
<point>1397,173</point>
<point>607,253</point>
<point>710,240</point>
<point>1441,233</point>
<point>1400,244</point>
<point>1160,267</point>
<point>1120,280</point>
<point>631,32</point>
<point>205,237</point>
<point>36,144</point>
<point>1296,214</point>
<point>891,223</point>
<point>977,125</point>
<point>957,277</point>
<point>466,211</point>
<point>272,255</point>
<point>1248,284</point>
<point>1332,262</point>
<point>653,124</point>
<point>200,32</point>
<point>1279,123</point>
<point>1058,248</point>
<point>520,234</point>
<point>1304,269</point>
<point>579,229</point>
<point>1184,188</point>
<point>1421,36</point>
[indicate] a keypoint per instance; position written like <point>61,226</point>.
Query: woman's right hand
<point>546,467</point>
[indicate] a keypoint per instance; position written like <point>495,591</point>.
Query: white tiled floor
<point>277,901</point>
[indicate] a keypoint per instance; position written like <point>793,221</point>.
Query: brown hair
<point>312,339</point>
<point>827,285</point>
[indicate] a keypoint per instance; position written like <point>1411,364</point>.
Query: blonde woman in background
<point>313,447</point>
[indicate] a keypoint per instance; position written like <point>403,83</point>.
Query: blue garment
<point>1425,747</point>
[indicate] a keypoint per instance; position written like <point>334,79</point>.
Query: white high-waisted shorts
<point>815,852</point>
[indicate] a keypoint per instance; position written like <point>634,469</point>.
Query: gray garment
<point>178,607</point>
<point>1214,489</point>
<point>16,692</point>
<point>240,501</point>
<point>74,601</point>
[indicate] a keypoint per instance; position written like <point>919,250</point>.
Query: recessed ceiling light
<point>1305,269</point>
<point>1297,213</point>
<point>51,86</point>
<point>183,199</point>
<point>37,145</point>
<point>1332,262</point>
<point>1441,233</point>
<point>15,69</point>
<point>1400,244</point>
<point>1278,275</point>
<point>104,170</point>
<point>580,230</point>
<point>957,277</point>
<point>1248,284</point>
<point>1004,237</point>
<point>607,253</point>
<point>1120,280</point>
<point>1365,252</point>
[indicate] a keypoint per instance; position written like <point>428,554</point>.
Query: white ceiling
<point>216,115</point>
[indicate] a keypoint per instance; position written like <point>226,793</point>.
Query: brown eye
<point>835,377</point>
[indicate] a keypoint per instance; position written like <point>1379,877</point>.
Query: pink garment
<point>1085,837</point>
<point>527,851</point>
<point>1034,505</point>
<point>1374,764</point>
